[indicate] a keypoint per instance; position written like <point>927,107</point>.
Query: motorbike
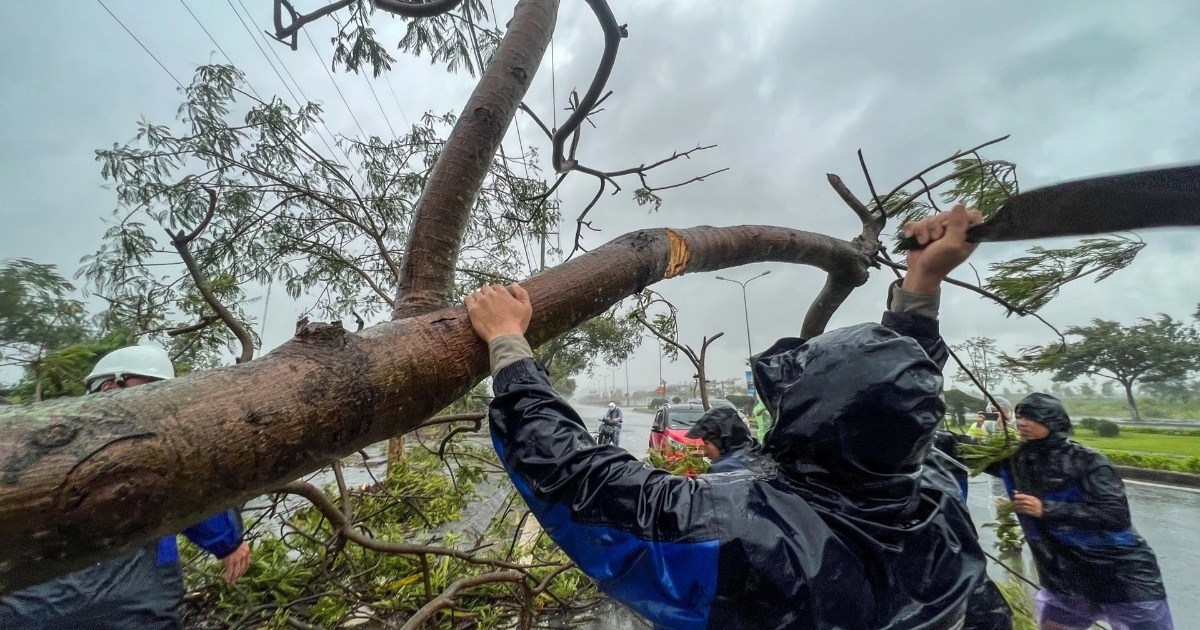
<point>606,433</point>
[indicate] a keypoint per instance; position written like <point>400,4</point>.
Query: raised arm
<point>913,302</point>
<point>646,537</point>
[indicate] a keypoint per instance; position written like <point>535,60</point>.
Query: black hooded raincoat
<point>1084,544</point>
<point>846,529</point>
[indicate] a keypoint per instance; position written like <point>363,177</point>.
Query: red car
<point>671,424</point>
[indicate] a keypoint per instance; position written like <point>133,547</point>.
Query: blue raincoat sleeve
<point>639,533</point>
<point>219,535</point>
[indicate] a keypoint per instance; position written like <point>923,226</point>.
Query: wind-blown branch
<point>181,242</point>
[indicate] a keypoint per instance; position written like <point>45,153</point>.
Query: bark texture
<point>87,478</point>
<point>442,213</point>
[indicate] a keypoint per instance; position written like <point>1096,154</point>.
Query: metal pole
<point>628,396</point>
<point>746,307</point>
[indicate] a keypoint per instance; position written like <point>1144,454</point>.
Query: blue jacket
<point>735,460</point>
<point>140,589</point>
<point>847,531</point>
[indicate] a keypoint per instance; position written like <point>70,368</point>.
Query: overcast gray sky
<point>788,90</point>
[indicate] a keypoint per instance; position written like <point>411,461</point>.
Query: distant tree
<point>1106,389</point>
<point>1151,351</point>
<point>1086,390</point>
<point>39,315</point>
<point>984,361</point>
<point>1174,391</point>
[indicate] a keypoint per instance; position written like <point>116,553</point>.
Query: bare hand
<point>944,240</point>
<point>496,310</point>
<point>1027,505</point>
<point>236,563</point>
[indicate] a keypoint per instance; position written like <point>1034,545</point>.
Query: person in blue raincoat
<point>725,437</point>
<point>143,588</point>
<point>1092,564</point>
<point>843,527</point>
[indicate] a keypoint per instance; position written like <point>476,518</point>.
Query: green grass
<point>1116,408</point>
<point>1186,446</point>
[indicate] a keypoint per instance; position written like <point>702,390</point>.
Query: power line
<point>335,83</point>
<point>393,91</point>
<point>139,43</point>
<point>299,103</point>
<point>215,43</point>
<point>385,116</point>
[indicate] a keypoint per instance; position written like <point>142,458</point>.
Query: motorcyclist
<point>143,588</point>
<point>847,529</point>
<point>615,419</point>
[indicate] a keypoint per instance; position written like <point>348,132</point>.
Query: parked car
<point>670,426</point>
<point>721,402</point>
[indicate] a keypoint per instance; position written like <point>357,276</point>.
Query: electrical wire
<point>139,43</point>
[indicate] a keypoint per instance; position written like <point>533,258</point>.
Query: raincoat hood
<point>855,410</point>
<point>722,427</point>
<point>1048,411</point>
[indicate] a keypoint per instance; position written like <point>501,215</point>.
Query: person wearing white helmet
<point>614,417</point>
<point>998,418</point>
<point>143,588</point>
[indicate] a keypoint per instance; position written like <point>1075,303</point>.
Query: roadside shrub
<point>1163,431</point>
<point>1153,462</point>
<point>1107,428</point>
<point>1088,423</point>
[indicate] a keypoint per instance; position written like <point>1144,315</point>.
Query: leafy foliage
<point>287,213</point>
<point>302,572</point>
<point>690,464</point>
<point>1107,428</point>
<point>609,339</point>
<point>1153,462</point>
<point>1152,350</point>
<point>1009,537</point>
<point>38,313</point>
<point>1032,281</point>
<point>990,449</point>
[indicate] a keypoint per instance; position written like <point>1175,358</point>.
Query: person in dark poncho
<point>1092,564</point>
<point>726,439</point>
<point>847,528</point>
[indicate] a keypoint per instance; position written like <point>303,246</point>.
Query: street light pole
<point>746,306</point>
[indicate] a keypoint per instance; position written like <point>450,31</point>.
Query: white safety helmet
<point>1004,404</point>
<point>612,405</point>
<point>148,361</point>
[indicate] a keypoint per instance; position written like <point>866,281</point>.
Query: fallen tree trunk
<point>88,478</point>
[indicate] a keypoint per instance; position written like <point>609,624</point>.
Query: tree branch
<point>339,522</point>
<point>204,322</point>
<point>409,9</point>
<point>927,169</point>
<point>298,21</point>
<point>446,598</point>
<point>613,33</point>
<point>181,242</point>
<point>444,209</point>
